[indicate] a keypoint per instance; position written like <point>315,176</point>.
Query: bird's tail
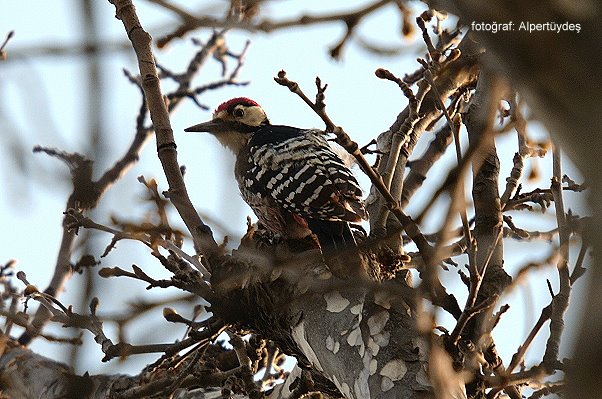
<point>338,246</point>
<point>333,237</point>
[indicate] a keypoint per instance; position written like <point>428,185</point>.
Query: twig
<point>549,389</point>
<point>240,348</point>
<point>8,37</point>
<point>453,176</point>
<point>579,270</point>
<point>433,53</point>
<point>476,279</point>
<point>215,43</point>
<point>186,16</point>
<point>268,25</point>
<point>77,219</point>
<point>517,358</point>
<point>522,273</point>
<point>84,195</point>
<point>69,318</point>
<point>400,138</point>
<point>561,299</point>
<point>523,377</point>
<point>420,167</point>
<point>520,124</point>
<point>455,125</point>
<point>272,350</point>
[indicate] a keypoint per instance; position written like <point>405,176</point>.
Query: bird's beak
<point>213,126</point>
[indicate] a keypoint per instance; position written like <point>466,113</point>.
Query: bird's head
<point>234,122</point>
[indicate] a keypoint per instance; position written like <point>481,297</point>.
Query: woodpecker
<point>291,178</point>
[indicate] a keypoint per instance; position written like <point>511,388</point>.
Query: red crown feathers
<point>230,104</point>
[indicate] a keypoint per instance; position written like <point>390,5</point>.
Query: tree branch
<point>166,146</point>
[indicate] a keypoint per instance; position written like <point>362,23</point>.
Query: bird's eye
<point>238,112</point>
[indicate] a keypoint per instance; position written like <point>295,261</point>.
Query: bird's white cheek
<point>254,116</point>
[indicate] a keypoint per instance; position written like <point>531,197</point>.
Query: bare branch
<point>166,146</point>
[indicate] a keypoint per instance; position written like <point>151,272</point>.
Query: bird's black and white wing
<point>302,174</point>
